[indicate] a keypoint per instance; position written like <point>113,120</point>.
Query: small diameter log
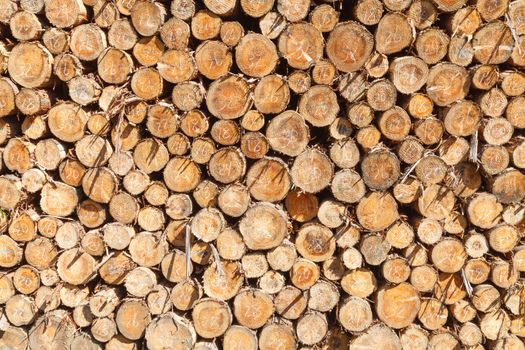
<point>31,102</point>
<point>254,145</point>
<point>355,314</point>
<point>132,318</point>
<point>377,336</point>
<point>380,170</point>
<point>211,318</point>
<point>67,66</point>
<point>431,45</point>
<point>268,180</point>
<point>368,12</point>
<point>234,200</point>
<point>287,133</point>
<point>485,77</point>
<point>59,200</point>
<point>428,132</point>
<point>381,95</point>
<point>319,106</point>
<point>64,14</point>
<point>9,93</point>
<point>227,165</point>
<point>58,323</point>
<point>122,35</point>
<point>368,137</point>
<point>277,336</point>
<point>324,296</point>
<point>488,205</point>
<point>175,33</point>
<point>147,83</point>
<point>448,255</point>
<point>56,40</point>
<point>25,26</point>
<point>436,202</point>
<point>114,66</point>
<point>290,302</point>
<point>314,242</point>
<point>508,187</point>
<point>179,329</point>
<point>99,184</point>
<point>225,284</point>
<point>345,153</point>
<point>75,267</point>
<point>185,294</point>
<point>304,274</point>
<point>433,315</point>
<point>87,42</point>
<point>181,174</point>
<point>299,81</point>
<point>312,328</point>
<point>396,270</point>
<point>205,25</point>
<point>293,10</point>
<point>377,65</point>
<point>239,337</point>
<point>150,155</point>
<point>213,60</point>
<point>271,95</point>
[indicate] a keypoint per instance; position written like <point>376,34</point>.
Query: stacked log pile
<point>262,174</point>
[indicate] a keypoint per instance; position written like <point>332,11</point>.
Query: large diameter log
<point>301,44</point>
<point>256,55</point>
<point>263,227</point>
<point>447,83</point>
<point>393,33</point>
<point>30,65</point>
<point>349,46</point>
<point>63,14</point>
<point>87,42</point>
<point>147,17</point>
<point>312,171</point>
<point>55,329</point>
<point>228,98</point>
<point>398,306</point>
<point>75,267</point>
<point>268,180</point>
<point>377,211</point>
